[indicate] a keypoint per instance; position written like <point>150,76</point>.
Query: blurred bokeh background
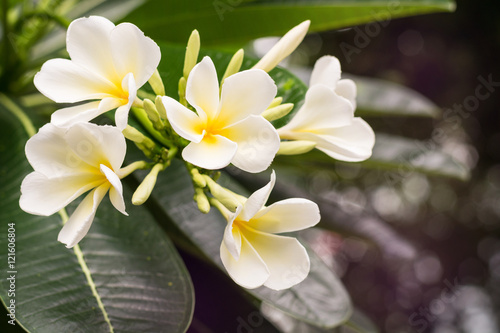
<point>450,283</point>
<point>431,262</point>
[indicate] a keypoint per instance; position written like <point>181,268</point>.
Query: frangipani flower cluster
<point>210,125</point>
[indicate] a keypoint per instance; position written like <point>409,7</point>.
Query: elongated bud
<point>295,147</point>
<point>136,136</point>
<point>285,46</point>
<point>182,91</point>
<point>202,201</point>
<point>153,114</point>
<point>278,111</point>
<point>156,83</point>
<point>192,50</point>
<point>160,107</point>
<point>146,187</point>
<point>223,195</point>
<point>277,101</point>
<point>234,65</point>
<point>198,179</point>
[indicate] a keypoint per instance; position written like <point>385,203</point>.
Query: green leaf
<point>383,98</point>
<point>398,155</point>
<point>239,21</point>
<point>358,323</point>
<point>407,155</point>
<point>72,9</point>
<point>125,276</point>
<point>320,299</point>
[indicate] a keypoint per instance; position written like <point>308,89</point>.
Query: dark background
<point>454,226</point>
<point>440,271</point>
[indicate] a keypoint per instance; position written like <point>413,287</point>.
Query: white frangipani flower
<point>108,63</point>
<point>67,163</point>
<point>327,116</point>
<point>285,46</point>
<point>251,252</point>
<point>229,129</point>
<point>327,71</point>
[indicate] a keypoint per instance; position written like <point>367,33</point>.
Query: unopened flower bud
<point>295,147</point>
<point>223,195</point>
<point>286,45</point>
<point>156,83</point>
<point>202,201</point>
<point>146,187</point>
<point>136,136</point>
<point>277,101</point>
<point>278,111</point>
<point>192,50</point>
<point>198,179</point>
<point>160,107</point>
<point>182,90</point>
<point>234,65</point>
<point>153,114</point>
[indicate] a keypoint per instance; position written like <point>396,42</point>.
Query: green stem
<point>125,171</point>
<point>141,115</point>
<point>19,114</point>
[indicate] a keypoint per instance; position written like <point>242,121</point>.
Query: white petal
<point>41,195</point>
<point>326,71</point>
<point>80,221</point>
<point>184,121</point>
<point>245,93</point>
<point>116,191</point>
<point>286,45</point>
<point>97,144</point>
<point>202,88</point>
<point>88,44</point>
<point>258,142</point>
<point>63,81</point>
<point>232,237</point>
<point>286,259</point>
<point>347,89</point>
<point>249,271</point>
<point>286,216</point>
<point>351,143</point>
<point>83,112</point>
<point>257,200</point>
<point>134,53</point>
<point>129,87</point>
<point>49,154</point>
<point>212,153</point>
<point>322,108</point>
